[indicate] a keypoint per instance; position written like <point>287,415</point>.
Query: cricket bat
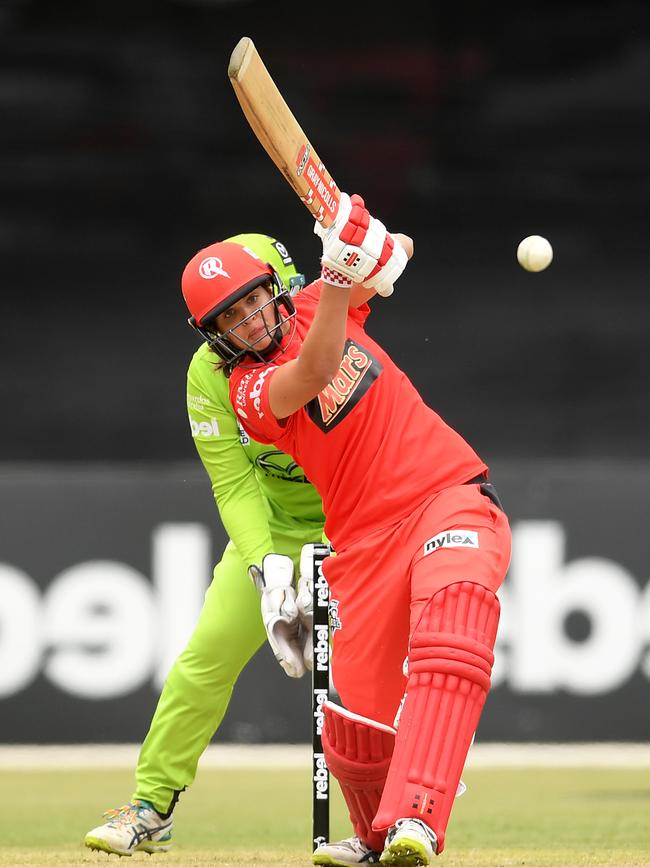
<point>280,134</point>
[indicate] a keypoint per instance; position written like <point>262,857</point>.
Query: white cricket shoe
<point>345,853</point>
<point>409,843</point>
<point>135,827</point>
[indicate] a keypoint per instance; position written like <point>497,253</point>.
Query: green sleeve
<point>243,510</point>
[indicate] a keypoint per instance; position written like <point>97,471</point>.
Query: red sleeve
<point>359,314</point>
<point>249,395</point>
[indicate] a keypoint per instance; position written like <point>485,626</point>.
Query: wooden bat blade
<point>279,132</point>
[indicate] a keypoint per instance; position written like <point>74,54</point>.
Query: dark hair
<point>221,364</point>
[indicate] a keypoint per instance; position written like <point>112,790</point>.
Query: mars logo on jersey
<point>358,370</point>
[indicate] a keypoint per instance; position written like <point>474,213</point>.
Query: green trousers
<point>197,691</point>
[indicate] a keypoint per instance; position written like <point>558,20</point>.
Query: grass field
<point>533,817</point>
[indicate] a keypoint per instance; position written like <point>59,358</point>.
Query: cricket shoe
<point>136,827</point>
<point>409,843</point>
<point>345,853</point>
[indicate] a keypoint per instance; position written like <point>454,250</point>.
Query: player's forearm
<point>298,381</point>
<point>322,350</point>
<point>360,294</point>
<point>237,496</point>
<point>245,520</point>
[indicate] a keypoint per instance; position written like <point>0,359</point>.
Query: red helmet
<point>218,276</point>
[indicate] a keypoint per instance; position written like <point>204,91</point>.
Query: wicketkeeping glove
<point>358,247</point>
<point>280,614</point>
<point>305,600</point>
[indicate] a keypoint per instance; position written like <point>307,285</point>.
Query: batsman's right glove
<point>359,247</point>
<point>280,614</point>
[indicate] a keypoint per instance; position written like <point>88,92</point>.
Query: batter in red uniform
<point>422,544</point>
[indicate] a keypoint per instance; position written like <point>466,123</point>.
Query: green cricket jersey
<point>256,487</point>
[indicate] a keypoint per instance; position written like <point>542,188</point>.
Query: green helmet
<point>273,252</point>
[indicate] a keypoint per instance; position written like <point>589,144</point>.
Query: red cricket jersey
<point>368,443</point>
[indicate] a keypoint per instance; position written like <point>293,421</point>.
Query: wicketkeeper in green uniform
<point>269,511</point>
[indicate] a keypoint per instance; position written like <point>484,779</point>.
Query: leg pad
<point>358,753</point>
<point>450,662</point>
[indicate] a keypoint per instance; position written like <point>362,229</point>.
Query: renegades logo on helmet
<point>212,267</point>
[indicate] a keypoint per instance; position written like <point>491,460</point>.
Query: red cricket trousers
<point>380,586</point>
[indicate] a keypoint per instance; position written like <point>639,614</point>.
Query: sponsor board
<point>103,574</point>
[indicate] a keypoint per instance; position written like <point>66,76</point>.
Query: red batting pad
<point>450,662</point>
<point>358,752</point>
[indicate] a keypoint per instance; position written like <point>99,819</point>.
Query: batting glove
<point>358,247</point>
<point>390,265</point>
<point>353,243</point>
<point>280,612</point>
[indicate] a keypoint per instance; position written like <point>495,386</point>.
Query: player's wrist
<point>334,278</point>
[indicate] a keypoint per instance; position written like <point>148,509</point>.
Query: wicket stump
<point>320,694</point>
